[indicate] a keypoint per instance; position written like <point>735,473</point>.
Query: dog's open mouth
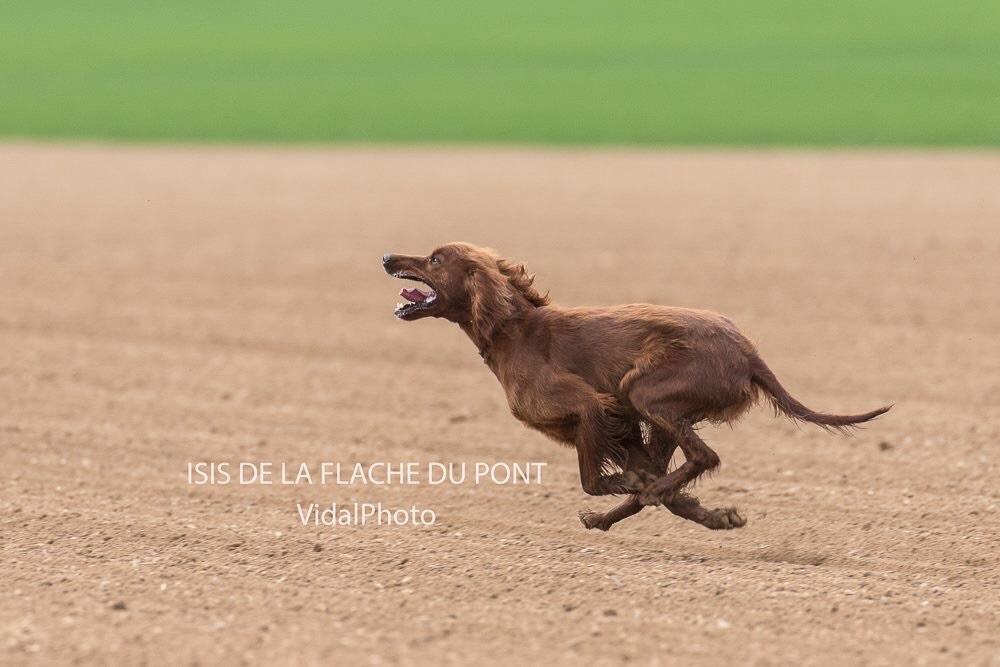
<point>417,299</point>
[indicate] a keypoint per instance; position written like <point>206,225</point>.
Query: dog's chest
<point>532,402</point>
<point>519,392</point>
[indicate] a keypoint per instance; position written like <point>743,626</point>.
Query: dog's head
<point>466,284</point>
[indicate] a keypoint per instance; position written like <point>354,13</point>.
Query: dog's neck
<point>485,344</point>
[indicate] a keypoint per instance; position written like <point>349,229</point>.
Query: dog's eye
<point>435,259</point>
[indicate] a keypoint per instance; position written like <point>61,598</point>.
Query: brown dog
<point>624,385</point>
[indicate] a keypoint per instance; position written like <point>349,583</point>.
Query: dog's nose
<point>385,258</point>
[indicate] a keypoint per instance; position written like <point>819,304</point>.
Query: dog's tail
<point>783,402</point>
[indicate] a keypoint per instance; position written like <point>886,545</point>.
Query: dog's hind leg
<point>683,505</point>
<point>640,460</point>
<point>667,489</point>
<point>688,507</point>
<point>700,458</point>
<point>660,448</point>
<point>674,399</point>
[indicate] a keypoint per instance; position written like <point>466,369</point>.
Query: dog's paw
<point>724,518</point>
<point>637,481</point>
<point>591,519</point>
<point>650,499</point>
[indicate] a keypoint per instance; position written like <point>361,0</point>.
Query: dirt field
<point>162,306</point>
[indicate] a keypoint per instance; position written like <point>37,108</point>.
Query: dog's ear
<point>492,302</point>
<point>523,282</point>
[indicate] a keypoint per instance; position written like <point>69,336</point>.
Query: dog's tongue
<point>414,295</point>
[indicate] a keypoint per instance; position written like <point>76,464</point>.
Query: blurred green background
<point>731,72</point>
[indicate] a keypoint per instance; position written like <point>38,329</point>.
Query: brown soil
<point>166,305</point>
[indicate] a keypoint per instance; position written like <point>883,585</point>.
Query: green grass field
<point>771,72</point>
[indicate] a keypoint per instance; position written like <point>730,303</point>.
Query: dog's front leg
<point>604,520</point>
<point>591,444</point>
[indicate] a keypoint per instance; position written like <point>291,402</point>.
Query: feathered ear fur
<point>522,282</point>
<point>492,302</point>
